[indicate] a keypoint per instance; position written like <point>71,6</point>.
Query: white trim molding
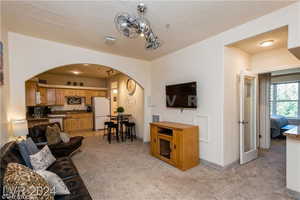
<point>203,127</point>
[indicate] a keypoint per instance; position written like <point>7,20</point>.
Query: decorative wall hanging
<point>131,86</point>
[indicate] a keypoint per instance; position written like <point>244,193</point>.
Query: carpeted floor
<point>121,171</point>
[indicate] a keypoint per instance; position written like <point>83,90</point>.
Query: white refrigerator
<point>101,110</point>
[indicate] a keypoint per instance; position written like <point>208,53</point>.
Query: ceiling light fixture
<point>115,91</point>
<point>131,26</point>
<point>266,43</point>
<point>110,40</point>
<point>76,72</point>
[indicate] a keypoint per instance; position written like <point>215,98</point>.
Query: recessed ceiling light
<point>76,72</point>
<point>115,91</point>
<point>266,43</point>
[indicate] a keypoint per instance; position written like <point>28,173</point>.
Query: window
<point>284,98</point>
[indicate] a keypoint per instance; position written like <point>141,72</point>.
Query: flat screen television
<point>182,95</point>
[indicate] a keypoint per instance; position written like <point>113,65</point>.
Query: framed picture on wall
<point>1,64</point>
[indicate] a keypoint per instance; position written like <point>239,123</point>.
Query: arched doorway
<point>45,55</point>
<point>48,94</point>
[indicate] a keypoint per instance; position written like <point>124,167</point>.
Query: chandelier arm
<point>131,26</point>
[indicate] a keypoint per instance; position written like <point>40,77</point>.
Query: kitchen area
<point>73,107</point>
<point>81,97</point>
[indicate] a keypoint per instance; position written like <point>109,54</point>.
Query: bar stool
<point>122,124</point>
<point>106,128</point>
<point>130,130</point>
<point>110,128</point>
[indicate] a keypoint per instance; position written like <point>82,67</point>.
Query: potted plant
<point>120,110</point>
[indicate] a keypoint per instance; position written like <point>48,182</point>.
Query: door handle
<point>243,122</point>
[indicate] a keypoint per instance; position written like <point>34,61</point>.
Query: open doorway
<point>267,57</point>
<point>264,56</point>
<point>82,97</point>
<point>282,103</point>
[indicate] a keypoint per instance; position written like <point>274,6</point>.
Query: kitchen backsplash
<point>66,106</point>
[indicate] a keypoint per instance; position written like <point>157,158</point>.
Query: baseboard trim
<point>232,165</point>
<point>219,167</point>
<point>211,165</point>
<point>294,194</point>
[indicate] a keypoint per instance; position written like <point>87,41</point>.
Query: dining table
<point>119,118</point>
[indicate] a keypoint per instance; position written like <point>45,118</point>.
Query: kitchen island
<point>73,120</point>
<point>78,121</point>
<point>293,161</point>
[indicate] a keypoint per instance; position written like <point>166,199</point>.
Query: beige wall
<point>235,61</point>
<point>4,90</point>
<point>277,59</point>
<point>133,104</point>
<point>201,62</point>
<point>58,79</point>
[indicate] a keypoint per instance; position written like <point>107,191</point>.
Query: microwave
<point>74,100</point>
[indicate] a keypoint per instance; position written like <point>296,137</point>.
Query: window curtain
<point>264,110</point>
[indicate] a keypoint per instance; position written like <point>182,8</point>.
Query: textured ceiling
<point>85,70</point>
<point>251,45</point>
<point>86,23</point>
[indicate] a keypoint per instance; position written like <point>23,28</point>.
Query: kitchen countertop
<point>65,112</point>
<point>54,115</point>
<point>43,118</point>
<point>293,133</point>
<point>37,118</point>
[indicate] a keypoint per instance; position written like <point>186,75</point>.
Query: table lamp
<point>19,128</point>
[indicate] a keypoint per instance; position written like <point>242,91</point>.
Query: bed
<point>279,124</point>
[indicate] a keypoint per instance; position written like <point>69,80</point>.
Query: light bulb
<point>267,43</point>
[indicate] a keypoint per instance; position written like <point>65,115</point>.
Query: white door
<point>248,136</point>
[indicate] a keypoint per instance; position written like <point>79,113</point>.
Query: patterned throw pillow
<point>20,182</point>
<point>55,182</point>
<point>27,147</point>
<point>31,146</point>
<point>53,134</point>
<point>43,159</point>
<point>65,137</point>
